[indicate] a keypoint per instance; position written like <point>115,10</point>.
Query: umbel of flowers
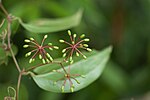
<point>74,46</point>
<point>39,50</point>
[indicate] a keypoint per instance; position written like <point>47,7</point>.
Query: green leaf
<point>52,25</point>
<point>91,68</point>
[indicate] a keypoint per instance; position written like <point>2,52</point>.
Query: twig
<point>18,86</point>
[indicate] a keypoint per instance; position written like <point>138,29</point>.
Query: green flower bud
<point>61,41</point>
<point>32,39</point>
<point>77,54</point>
<point>40,56</point>
<point>43,60</point>
<point>86,40</point>
<point>74,35</point>
<point>64,50</point>
<point>27,41</point>
<point>62,89</point>
<point>84,56</point>
<point>69,32</point>
<point>25,46</point>
<point>82,36</point>
<point>88,49</point>
<point>64,55</point>
<point>55,47</point>
<point>45,36</point>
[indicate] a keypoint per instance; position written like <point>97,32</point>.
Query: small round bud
<point>69,32</point>
<point>54,71</point>
<point>27,41</point>
<point>40,56</point>
<point>82,36</point>
<point>45,36</point>
<point>48,55</point>
<point>32,39</point>
<point>50,44</point>
<point>62,89</point>
<point>50,48</point>
<point>31,60</point>
<point>72,89</point>
<point>88,49</point>
<point>64,50</point>
<point>86,40</point>
<point>71,62</point>
<point>28,54</point>
<point>71,58</point>
<point>55,47</point>
<point>43,60</point>
<point>84,56</point>
<point>64,55</point>
<point>77,54</point>
<point>25,46</point>
<point>47,60</point>
<point>73,42</point>
<point>51,58</point>
<point>85,45</point>
<point>61,41</point>
<point>74,35</point>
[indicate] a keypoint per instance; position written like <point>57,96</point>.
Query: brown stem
<point>33,67</point>
<point>9,48</point>
<point>63,68</point>
<point>3,9</point>
<point>18,86</point>
<point>9,34</point>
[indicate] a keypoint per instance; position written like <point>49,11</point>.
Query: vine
<point>43,52</point>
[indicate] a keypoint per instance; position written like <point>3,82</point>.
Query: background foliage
<point>123,23</point>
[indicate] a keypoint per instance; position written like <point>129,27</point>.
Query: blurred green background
<point>121,23</point>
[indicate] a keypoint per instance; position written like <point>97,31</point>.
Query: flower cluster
<point>77,43</point>
<point>74,46</point>
<point>39,50</point>
<point>67,77</point>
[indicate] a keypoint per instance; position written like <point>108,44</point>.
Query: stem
<point>31,68</point>
<point>18,86</point>
<point>9,48</point>
<point>63,68</point>
<point>9,34</point>
<point>4,10</point>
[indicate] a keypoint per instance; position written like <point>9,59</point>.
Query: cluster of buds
<point>68,77</point>
<point>74,46</point>
<point>39,50</point>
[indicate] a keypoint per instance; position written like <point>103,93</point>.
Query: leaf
<point>53,25</point>
<point>91,68</point>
